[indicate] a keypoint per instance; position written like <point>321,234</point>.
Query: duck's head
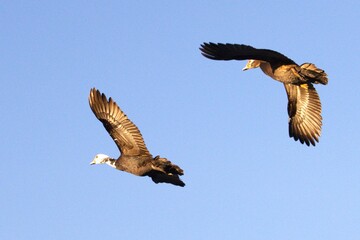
<point>251,64</point>
<point>100,159</point>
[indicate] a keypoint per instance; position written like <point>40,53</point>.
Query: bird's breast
<point>283,73</point>
<point>267,69</point>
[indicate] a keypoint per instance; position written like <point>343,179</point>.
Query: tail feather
<point>164,165</point>
<point>314,74</point>
<point>165,172</point>
<point>160,177</point>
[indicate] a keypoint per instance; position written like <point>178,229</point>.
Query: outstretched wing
<point>229,51</point>
<point>304,110</point>
<point>125,133</point>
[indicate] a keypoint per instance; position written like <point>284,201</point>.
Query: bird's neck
<point>111,162</point>
<point>267,69</point>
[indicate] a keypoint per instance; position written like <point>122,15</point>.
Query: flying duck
<point>304,107</point>
<point>134,156</point>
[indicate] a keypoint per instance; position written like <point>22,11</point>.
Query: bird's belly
<point>134,166</point>
<point>280,74</point>
<point>287,75</point>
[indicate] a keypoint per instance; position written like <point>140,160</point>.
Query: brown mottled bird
<point>304,107</point>
<point>135,157</point>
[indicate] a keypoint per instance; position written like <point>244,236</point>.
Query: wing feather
<point>304,109</point>
<point>124,133</point>
<point>229,51</point>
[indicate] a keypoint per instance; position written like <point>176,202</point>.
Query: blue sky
<point>246,179</point>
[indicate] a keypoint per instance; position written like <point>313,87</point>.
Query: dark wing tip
<point>228,51</point>
<point>215,51</point>
<point>209,50</point>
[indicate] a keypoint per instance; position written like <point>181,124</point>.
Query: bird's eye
<point>96,157</point>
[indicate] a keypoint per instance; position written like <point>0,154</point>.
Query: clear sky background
<point>246,179</point>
